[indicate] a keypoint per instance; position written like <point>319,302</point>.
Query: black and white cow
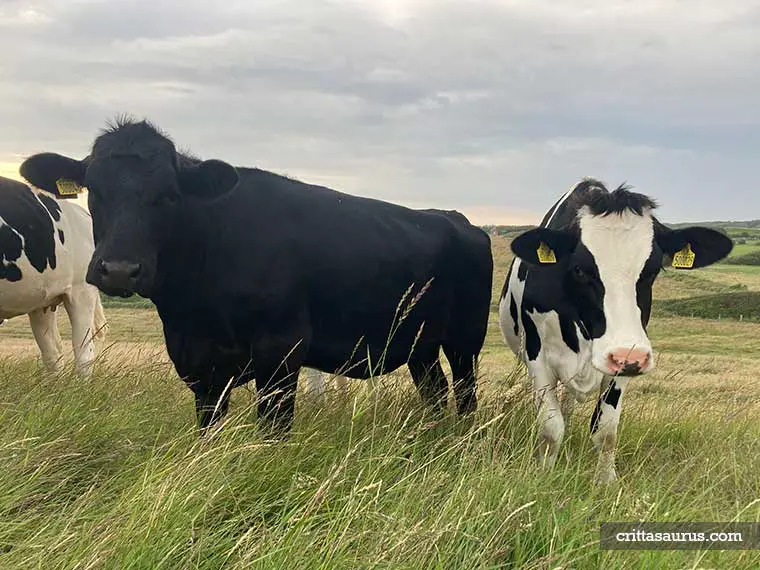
<point>577,300</point>
<point>316,381</point>
<point>255,275</point>
<point>45,249</point>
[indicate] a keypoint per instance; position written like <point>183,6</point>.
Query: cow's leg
<point>80,305</point>
<point>341,383</point>
<point>276,388</point>
<point>464,378</point>
<point>604,426</point>
<point>551,425</point>
<point>45,330</point>
<point>430,381</point>
<point>205,371</point>
<point>567,403</point>
<point>276,363</point>
<point>212,398</point>
<point>315,382</point>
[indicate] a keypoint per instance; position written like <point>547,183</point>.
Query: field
<point>110,473</point>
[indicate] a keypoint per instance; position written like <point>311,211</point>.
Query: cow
<point>45,249</point>
<point>255,275</point>
<point>316,382</point>
<point>577,300</point>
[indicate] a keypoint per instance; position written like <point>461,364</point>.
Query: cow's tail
<point>99,323</point>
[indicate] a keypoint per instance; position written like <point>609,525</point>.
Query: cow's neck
<point>180,270</point>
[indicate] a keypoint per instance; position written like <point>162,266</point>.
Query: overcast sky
<point>491,107</point>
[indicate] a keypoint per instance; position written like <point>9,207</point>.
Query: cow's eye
<point>578,271</point>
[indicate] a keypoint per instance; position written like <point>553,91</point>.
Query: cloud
<point>482,106</point>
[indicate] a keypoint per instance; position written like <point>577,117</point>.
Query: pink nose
<point>627,361</point>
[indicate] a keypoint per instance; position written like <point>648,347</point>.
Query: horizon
<point>478,217</point>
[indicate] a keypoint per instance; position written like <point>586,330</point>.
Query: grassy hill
<point>746,236</point>
<point>751,257</point>
<point>745,229</point>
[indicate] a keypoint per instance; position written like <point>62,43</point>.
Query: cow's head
<point>138,187</point>
<point>606,261</point>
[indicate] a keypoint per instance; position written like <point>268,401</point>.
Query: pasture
<point>109,472</point>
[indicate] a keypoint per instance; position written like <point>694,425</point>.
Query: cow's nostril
<point>628,361</point>
<point>119,273</point>
<point>630,369</point>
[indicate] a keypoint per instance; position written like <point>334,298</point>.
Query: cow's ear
<point>692,247</point>
<point>542,246</point>
<point>55,173</point>
<point>209,180</point>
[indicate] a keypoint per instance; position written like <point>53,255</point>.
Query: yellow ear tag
<point>684,259</point>
<point>545,254</point>
<point>68,187</point>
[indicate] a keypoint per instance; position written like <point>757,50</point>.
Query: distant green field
<point>134,302</point>
<point>742,232</point>
<point>732,269</point>
<point>741,249</point>
<point>744,305</point>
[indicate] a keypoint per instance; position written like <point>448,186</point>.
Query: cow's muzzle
<point>116,278</point>
<point>628,361</point>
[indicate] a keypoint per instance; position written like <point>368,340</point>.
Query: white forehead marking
<point>556,208</point>
<point>620,243</point>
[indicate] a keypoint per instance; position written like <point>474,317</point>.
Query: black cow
<point>255,275</point>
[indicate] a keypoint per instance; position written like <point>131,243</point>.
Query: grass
<point>737,305</point>
<point>109,472</point>
<point>744,247</point>
<point>674,284</point>
<point>133,302</point>
<point>733,268</point>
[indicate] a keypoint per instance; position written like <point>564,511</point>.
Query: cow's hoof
<point>606,476</point>
<point>544,460</point>
<point>546,451</point>
<point>84,372</point>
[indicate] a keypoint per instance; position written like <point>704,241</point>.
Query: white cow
<point>45,247</point>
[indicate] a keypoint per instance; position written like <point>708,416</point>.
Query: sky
<point>494,108</point>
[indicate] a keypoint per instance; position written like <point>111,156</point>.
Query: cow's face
<point>136,199</point>
<point>606,265</point>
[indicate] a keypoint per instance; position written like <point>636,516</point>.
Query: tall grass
<point>110,473</point>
